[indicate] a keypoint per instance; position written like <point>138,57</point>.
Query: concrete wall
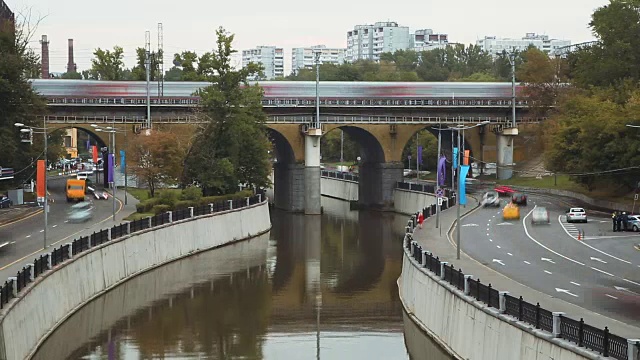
<point>339,189</point>
<point>408,202</point>
<point>53,297</point>
<point>468,329</point>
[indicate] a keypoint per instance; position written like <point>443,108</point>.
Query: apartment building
<point>495,45</point>
<point>271,58</point>
<point>304,57</point>
<point>425,40</point>
<point>367,42</point>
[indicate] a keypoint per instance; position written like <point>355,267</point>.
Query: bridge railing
<point>340,175</point>
<point>558,324</point>
<point>12,287</point>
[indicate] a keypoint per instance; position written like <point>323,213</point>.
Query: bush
<point>168,197</point>
<point>159,209</point>
<point>184,204</point>
<point>192,193</point>
<point>214,199</point>
<point>147,205</point>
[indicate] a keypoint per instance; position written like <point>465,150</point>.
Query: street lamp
<point>317,54</point>
<point>113,130</point>
<point>458,129</point>
<point>512,61</point>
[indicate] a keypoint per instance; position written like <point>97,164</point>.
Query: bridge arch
<point>288,168</point>
<point>101,140</point>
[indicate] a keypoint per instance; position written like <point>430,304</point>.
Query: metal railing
<point>584,335</point>
<point>11,288</point>
<point>340,175</point>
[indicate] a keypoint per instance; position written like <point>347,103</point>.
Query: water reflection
<point>315,287</point>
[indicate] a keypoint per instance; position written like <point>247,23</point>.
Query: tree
<point>157,159</point>
<point>139,72</point>
<point>429,144</point>
<point>72,75</point>
<point>232,147</point>
<point>538,74</point>
<point>108,65</point>
<point>330,147</point>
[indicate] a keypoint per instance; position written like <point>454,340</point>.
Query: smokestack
<point>71,65</point>
<point>45,57</point>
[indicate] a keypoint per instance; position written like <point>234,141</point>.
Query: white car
<point>490,198</point>
<point>576,215</point>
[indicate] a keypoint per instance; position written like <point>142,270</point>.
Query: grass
<point>137,216</point>
<point>143,194</point>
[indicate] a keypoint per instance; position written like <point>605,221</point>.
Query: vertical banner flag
<point>94,153</point>
<point>122,165</point>
<point>419,154</point>
<point>455,158</point>
<point>467,153</point>
<point>442,170</point>
<point>111,167</point>
<point>464,170</point>
<point>88,144</point>
<point>41,173</point>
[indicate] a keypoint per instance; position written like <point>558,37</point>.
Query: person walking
<point>614,218</point>
<point>420,219</point>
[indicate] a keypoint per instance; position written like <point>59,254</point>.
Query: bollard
<point>170,216</point>
<point>14,288</point>
<point>31,272</point>
<point>69,250</point>
<point>442,265</point>
<point>633,349</point>
<point>230,204</point>
<point>467,289</point>
<point>424,258</point>
<point>190,211</point>
<point>503,301</point>
<point>247,201</point>
<point>557,320</point>
<point>210,208</point>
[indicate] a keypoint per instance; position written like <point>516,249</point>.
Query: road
<point>27,236</point>
<point>600,272</point>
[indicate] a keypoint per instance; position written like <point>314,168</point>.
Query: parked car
<point>540,215</point>
<point>576,215</point>
<point>490,198</point>
<point>5,202</point>
<point>633,223</point>
<point>519,199</point>
<point>511,212</point>
<point>504,190</point>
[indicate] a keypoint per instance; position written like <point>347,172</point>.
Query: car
<point>511,212</point>
<point>5,202</point>
<point>576,215</point>
<point>504,190</point>
<point>81,212</point>
<point>540,215</point>
<point>633,223</point>
<point>490,198</point>
<point>519,199</point>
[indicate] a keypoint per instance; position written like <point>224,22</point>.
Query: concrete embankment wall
<point>408,202</point>
<point>470,330</point>
<point>53,297</point>
<point>339,189</point>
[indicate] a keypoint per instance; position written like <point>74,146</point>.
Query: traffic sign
<point>440,192</point>
<point>440,201</point>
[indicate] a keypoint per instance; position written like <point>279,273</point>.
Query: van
<point>75,190</point>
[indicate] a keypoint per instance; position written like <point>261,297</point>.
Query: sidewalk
<point>430,239</point>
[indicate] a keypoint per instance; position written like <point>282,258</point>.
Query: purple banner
<point>419,154</point>
<point>464,170</point>
<point>442,170</point>
<point>88,144</point>
<point>111,167</point>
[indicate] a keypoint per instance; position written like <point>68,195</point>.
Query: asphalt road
<point>600,272</point>
<point>27,236</point>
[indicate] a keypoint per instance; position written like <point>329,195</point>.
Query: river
<point>315,287</point>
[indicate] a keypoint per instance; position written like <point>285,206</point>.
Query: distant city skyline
<point>284,24</point>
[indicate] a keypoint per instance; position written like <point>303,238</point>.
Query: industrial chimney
<point>45,57</point>
<point>71,65</point>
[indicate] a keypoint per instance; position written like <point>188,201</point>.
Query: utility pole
<point>148,68</point>
<point>317,122</point>
<point>341,146</point>
<point>438,177</point>
<point>512,60</point>
<point>417,156</point>
<point>160,60</point>
<point>46,197</point>
<point>458,203</point>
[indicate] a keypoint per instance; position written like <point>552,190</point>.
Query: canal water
<point>319,287</point>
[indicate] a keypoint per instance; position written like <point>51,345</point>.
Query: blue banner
<point>464,170</point>
<point>88,144</point>
<point>111,167</point>
<point>122,156</point>
<point>454,161</point>
<point>419,154</point>
<point>442,170</point>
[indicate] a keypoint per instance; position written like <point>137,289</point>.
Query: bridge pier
<point>312,195</point>
<point>288,186</point>
<point>504,149</point>
<point>377,184</point>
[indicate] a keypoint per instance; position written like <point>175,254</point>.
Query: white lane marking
<point>575,283</point>
<point>504,224</point>
<point>467,225</point>
<point>526,231</point>
<point>548,272</point>
<point>28,236</point>
<point>633,282</point>
<point>498,246</point>
<point>566,292</point>
<point>42,230</point>
<point>620,288</point>
<point>54,225</point>
<point>598,260</point>
<point>510,254</point>
<point>487,234</point>
<point>591,247</point>
<point>66,221</point>
<point>490,240</point>
<point>526,262</point>
<point>569,228</point>
<point>547,260</point>
<point>498,261</point>
<point>602,271</point>
<point>611,296</point>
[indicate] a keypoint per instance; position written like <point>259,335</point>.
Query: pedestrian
<point>420,219</point>
<point>619,221</point>
<point>614,218</point>
<point>625,220</point>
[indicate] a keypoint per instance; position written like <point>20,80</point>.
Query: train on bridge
<point>282,93</point>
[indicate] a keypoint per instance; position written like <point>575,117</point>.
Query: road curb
<point>21,217</point>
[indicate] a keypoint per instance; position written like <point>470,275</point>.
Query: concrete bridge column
<point>288,186</point>
<point>504,149</point>
<point>312,196</point>
<point>313,247</point>
<point>377,184</point>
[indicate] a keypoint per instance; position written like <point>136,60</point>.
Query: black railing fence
<point>590,337</point>
<point>27,274</point>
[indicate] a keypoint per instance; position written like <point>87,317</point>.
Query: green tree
<point>330,147</point>
<point>429,145</point>
<point>233,146</point>
<point>139,72</point>
<point>538,73</point>
<point>72,75</point>
<point>108,65</point>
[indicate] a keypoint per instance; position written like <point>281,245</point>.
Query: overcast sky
<point>190,25</point>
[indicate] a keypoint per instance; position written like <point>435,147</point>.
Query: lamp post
<point>437,171</point>
<point>317,59</point>
<point>126,147</point>
<point>457,160</point>
<point>512,61</point>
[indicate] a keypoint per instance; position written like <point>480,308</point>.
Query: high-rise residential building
<point>271,58</point>
<point>367,42</point>
<point>495,45</point>
<point>304,58</point>
<point>425,40</point>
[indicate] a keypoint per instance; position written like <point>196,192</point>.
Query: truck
<point>76,190</point>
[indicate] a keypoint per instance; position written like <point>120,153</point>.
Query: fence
<point>340,175</point>
<point>560,325</point>
<point>27,274</point>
